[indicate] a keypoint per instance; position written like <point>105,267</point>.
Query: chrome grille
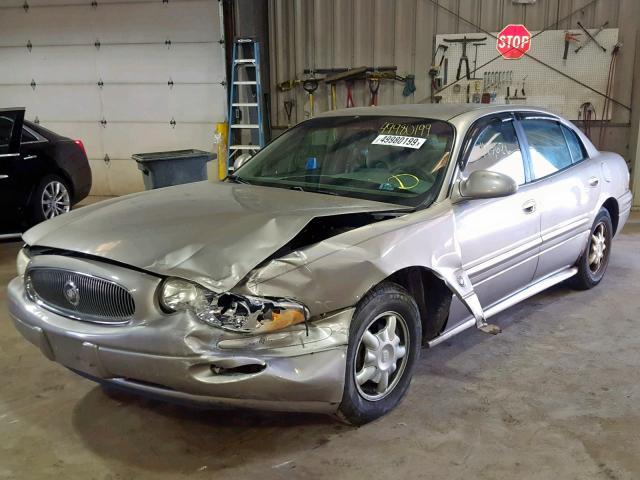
<point>80,296</point>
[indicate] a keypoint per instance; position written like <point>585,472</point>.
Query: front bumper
<point>177,357</point>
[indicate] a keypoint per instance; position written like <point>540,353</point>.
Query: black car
<point>42,174</point>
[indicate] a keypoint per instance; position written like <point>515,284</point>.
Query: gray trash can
<point>164,169</point>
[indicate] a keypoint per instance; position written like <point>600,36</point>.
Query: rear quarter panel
<point>73,163</point>
<point>615,177</point>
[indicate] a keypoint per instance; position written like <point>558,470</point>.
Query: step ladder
<point>246,126</point>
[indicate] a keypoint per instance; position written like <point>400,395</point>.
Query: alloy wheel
<point>55,199</point>
<point>381,356</point>
<point>598,248</point>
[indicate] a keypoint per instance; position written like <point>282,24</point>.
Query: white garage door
<point>124,76</point>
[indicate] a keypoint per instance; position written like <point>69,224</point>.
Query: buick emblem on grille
<point>71,293</point>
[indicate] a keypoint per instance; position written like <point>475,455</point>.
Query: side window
<point>6,127</point>
<point>27,137</point>
<point>547,147</point>
<point>575,145</point>
<point>496,149</point>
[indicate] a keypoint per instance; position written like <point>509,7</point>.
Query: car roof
<point>435,111</point>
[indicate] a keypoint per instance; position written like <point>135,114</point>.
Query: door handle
<point>594,181</point>
<point>529,206</point>
<point>2,177</point>
<point>30,157</point>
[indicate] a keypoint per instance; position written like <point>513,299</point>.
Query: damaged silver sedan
<point>310,279</point>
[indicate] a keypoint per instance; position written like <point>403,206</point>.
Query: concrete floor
<point>555,396</point>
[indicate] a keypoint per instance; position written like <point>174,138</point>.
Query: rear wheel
<point>384,346</point>
<point>593,262</point>
<point>50,199</point>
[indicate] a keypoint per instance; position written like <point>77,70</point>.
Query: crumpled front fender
<point>338,272</point>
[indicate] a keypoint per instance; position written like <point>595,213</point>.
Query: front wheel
<point>384,346</point>
<point>593,262</point>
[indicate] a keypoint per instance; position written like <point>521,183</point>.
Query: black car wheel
<point>50,199</point>
<point>593,262</point>
<point>384,345</point>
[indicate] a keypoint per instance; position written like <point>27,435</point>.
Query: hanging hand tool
<point>350,103</point>
<point>288,85</point>
<point>592,38</point>
<point>463,58</point>
<point>476,96</point>
<point>435,70</point>
<point>348,76</point>
<point>445,71</point>
<point>374,86</point>
<point>569,38</point>
<point>288,110</point>
<point>444,52</point>
<point>310,85</point>
<point>475,57</point>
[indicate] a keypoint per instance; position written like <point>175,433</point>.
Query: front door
<point>499,238</point>
<point>10,136</point>
<point>567,188</point>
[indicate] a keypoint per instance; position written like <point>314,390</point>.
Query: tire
<point>594,260</point>
<point>53,192</point>
<point>366,400</point>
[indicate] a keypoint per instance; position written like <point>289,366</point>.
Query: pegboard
<point>543,87</point>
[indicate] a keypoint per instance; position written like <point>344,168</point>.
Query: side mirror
<point>484,184</point>
<point>241,160</point>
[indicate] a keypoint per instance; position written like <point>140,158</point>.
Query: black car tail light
<point>81,145</point>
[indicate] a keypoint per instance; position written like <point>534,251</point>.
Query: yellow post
<point>222,135</point>
<point>334,102</point>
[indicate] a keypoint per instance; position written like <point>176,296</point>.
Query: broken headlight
<point>22,261</point>
<point>230,311</point>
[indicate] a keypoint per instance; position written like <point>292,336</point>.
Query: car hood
<point>211,233</point>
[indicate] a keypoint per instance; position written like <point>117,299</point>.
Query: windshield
<point>388,159</point>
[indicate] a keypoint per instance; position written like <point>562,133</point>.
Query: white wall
<point>135,66</point>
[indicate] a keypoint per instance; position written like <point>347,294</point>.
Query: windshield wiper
<point>236,179</point>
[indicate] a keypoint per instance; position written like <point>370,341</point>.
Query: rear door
<point>10,136</point>
<point>567,188</point>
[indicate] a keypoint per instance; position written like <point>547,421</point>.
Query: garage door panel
<point>89,132</point>
<point>176,21</point>
<point>137,22</point>
<point>182,63</point>
<point>198,103</point>
<point>136,103</point>
<point>48,65</point>
<point>123,177</point>
<point>18,96</point>
<point>46,3</point>
<point>73,25</point>
<point>157,103</point>
<point>62,103</point>
<point>125,139</point>
<point>100,181</point>
<point>199,136</point>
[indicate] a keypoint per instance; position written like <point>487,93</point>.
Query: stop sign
<point>513,41</point>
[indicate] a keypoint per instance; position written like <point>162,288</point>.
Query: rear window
<point>575,145</point>
<point>548,149</point>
